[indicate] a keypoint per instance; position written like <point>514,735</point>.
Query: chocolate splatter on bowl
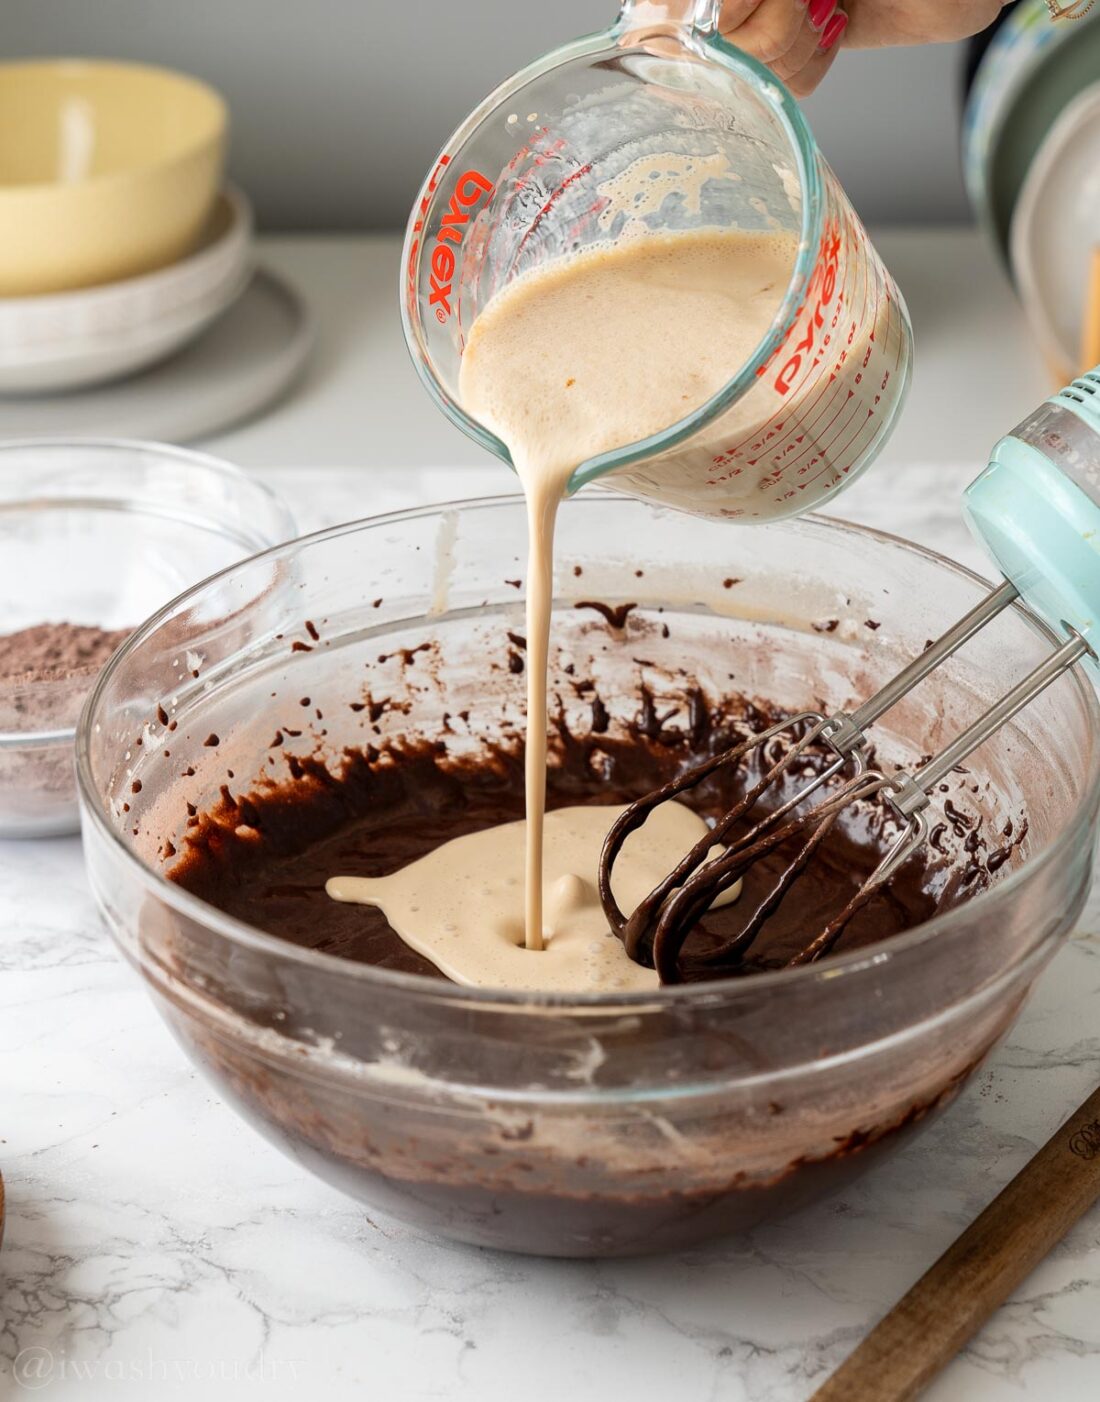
<point>586,1125</point>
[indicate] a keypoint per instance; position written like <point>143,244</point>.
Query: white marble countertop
<point>156,1247</point>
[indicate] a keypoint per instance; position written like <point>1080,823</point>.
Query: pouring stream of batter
<point>591,353</point>
<point>570,361</point>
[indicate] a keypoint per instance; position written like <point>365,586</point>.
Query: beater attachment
<point>655,932</point>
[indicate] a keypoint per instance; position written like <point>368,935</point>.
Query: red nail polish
<point>833,30</point>
<point>820,10</point>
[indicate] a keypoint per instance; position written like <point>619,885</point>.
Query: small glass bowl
<point>101,532</point>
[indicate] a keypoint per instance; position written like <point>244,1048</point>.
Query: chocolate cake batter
<point>558,1179</point>
<point>380,811</point>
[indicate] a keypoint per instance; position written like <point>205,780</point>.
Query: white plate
<point>236,367</point>
<point>74,339</point>
<point>1056,227</point>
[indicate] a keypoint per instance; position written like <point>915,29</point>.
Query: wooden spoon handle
<point>979,1271</point>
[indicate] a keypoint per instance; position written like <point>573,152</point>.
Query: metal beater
<point>1036,508</point>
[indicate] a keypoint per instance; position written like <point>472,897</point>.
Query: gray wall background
<point>340,105</point>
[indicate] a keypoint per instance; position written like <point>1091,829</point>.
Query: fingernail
<point>833,30</point>
<point>820,10</point>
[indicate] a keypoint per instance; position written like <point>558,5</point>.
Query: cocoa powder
<point>56,652</point>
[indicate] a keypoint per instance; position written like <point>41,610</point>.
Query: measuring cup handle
<point>640,17</point>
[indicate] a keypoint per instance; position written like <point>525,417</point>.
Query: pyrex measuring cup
<point>658,124</point>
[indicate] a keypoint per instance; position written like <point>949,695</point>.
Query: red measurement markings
<point>833,453</point>
<point>826,274</point>
<point>867,420</point>
<point>757,441</point>
<point>738,464</point>
<point>836,455</point>
<point>818,447</point>
<point>810,442</point>
<point>795,440</point>
<point>807,426</point>
<point>555,195</point>
<point>413,266</point>
<point>819,295</point>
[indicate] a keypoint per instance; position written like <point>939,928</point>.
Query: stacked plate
<point>118,254</point>
<point>66,340</point>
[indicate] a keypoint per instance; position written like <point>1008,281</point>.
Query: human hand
<point>799,39</point>
<point>877,23</point>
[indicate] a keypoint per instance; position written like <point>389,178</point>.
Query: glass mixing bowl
<point>101,532</point>
<point>587,1125</point>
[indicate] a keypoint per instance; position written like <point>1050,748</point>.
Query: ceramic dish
<point>1056,229</point>
<point>237,366</point>
<point>107,170</point>
<point>572,1125</point>
<point>101,533</point>
<point>72,339</point>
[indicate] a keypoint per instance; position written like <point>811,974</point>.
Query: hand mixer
<point>1036,508</point>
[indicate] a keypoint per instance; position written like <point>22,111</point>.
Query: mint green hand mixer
<point>1036,509</point>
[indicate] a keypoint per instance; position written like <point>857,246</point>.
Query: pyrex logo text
<point>819,294</point>
<point>470,188</point>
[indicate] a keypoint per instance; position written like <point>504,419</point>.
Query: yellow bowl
<point>107,170</point>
